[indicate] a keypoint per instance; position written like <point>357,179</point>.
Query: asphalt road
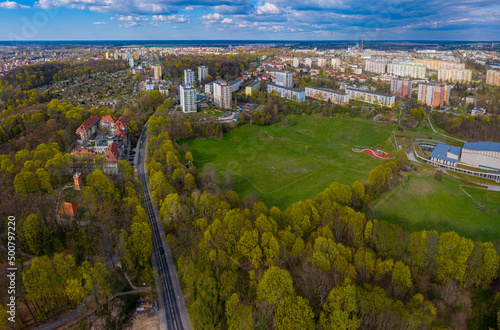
<point>171,305</point>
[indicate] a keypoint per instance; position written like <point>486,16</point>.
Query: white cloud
<point>267,9</point>
<point>100,23</point>
<point>212,17</point>
<point>189,8</point>
<point>155,24</point>
<point>171,18</point>
<point>12,5</point>
<point>110,6</point>
<point>129,24</point>
<point>227,21</point>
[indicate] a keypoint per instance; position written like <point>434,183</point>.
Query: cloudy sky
<point>250,20</point>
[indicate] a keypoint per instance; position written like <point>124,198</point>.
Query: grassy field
<point>287,164</point>
<point>444,206</point>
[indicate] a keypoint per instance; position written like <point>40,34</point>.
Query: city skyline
<point>460,20</point>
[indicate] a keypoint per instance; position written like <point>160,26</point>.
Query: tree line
<point>318,264</point>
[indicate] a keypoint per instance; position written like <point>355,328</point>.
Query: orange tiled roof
<point>68,209</point>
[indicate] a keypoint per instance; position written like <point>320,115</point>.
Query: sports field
<point>444,206</point>
<point>287,164</point>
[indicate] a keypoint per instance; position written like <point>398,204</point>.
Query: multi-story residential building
<point>284,78</point>
<point>401,87</point>
<point>131,62</point>
<point>322,62</point>
<point>287,93</point>
<point>188,77</point>
<point>434,95</point>
<point>253,87</point>
<point>188,98</point>
<point>335,62</point>
<point>455,75</point>
<point>327,94</point>
<point>435,65</point>
<point>493,77</point>
<point>296,61</point>
<point>157,72</point>
<point>370,97</point>
<point>87,129</point>
<point>375,66</point>
<point>222,94</point>
<point>407,69</point>
<point>202,73</point>
<point>235,85</point>
<point>209,88</point>
<point>309,62</point>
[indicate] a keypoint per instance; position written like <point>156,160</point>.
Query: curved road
<point>171,305</point>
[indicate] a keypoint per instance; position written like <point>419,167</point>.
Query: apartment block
<point>287,93</point>
<point>188,77</point>
<point>407,69</point>
<point>157,72</point>
<point>222,94</point>
<point>375,66</point>
<point>455,75</point>
<point>434,95</point>
<point>284,78</point>
<point>401,87</point>
<point>253,87</point>
<point>188,98</point>
<point>327,94</point>
<point>493,77</point>
<point>202,73</point>
<point>370,97</point>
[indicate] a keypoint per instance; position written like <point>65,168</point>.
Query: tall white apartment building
<point>222,94</point>
<point>309,62</point>
<point>455,75</point>
<point>202,73</point>
<point>188,76</point>
<point>407,69</point>
<point>296,61</point>
<point>335,62</point>
<point>284,79</point>
<point>188,98</point>
<point>322,62</point>
<point>375,66</point>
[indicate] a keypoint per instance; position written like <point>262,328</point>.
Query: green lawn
<point>428,204</point>
<point>272,161</point>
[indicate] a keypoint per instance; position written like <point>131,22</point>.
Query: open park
<point>296,159</point>
<point>446,205</point>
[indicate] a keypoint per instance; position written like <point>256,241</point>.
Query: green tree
<point>30,232</point>
<point>341,308</point>
<point>239,316</point>
<point>294,312</point>
<point>170,210</point>
<point>275,286</point>
<point>451,257</point>
<point>401,276</point>
<point>25,182</point>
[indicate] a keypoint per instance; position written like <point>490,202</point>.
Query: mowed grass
<point>443,206</point>
<point>274,162</point>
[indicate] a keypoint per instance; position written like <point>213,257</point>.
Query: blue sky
<point>252,20</point>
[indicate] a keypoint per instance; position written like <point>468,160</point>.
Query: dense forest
<point>219,67</point>
<point>469,127</point>
<point>37,75</point>
<point>318,264</point>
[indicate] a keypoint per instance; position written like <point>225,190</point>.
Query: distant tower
<point>492,44</point>
<point>77,178</point>
<point>362,35</point>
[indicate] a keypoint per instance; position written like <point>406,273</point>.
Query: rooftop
<point>440,153</point>
<point>483,146</point>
